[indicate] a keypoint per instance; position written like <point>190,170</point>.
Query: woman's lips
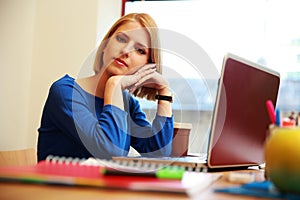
<point>121,62</point>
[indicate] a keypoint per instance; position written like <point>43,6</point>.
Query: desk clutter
<point>261,189</point>
<point>282,150</point>
<point>109,174</point>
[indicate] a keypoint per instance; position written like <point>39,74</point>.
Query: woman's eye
<point>141,51</point>
<point>121,38</point>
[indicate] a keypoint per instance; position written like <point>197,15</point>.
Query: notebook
<point>240,119</point>
<point>75,172</point>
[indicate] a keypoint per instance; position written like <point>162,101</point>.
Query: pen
<point>278,117</point>
<point>167,172</point>
<point>271,111</point>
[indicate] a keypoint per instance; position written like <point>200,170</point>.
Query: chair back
<point>23,157</point>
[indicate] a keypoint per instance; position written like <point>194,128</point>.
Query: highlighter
<point>167,172</point>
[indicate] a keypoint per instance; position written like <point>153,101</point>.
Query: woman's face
<point>127,50</point>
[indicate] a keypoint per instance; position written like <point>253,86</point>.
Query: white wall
<point>16,39</point>
<point>42,40</point>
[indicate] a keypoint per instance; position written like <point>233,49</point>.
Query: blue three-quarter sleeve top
<point>76,124</point>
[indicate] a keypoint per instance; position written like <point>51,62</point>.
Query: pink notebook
<point>76,174</point>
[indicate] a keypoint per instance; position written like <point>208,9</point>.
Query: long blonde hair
<point>149,24</point>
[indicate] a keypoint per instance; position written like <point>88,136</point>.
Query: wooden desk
<point>37,192</point>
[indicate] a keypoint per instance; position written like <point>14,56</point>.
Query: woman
<point>97,116</point>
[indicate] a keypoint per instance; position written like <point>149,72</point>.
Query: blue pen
<point>278,117</point>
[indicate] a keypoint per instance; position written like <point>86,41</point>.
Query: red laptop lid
<point>240,119</point>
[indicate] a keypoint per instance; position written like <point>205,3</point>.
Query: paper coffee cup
<point>181,136</point>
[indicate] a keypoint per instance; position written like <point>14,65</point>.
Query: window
<point>263,31</point>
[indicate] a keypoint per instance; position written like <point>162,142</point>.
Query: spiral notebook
<point>74,172</point>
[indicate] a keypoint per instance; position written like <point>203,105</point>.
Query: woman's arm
<point>164,107</point>
<point>74,114</point>
<point>149,139</point>
<point>154,139</point>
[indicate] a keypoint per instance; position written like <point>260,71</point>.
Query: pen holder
<point>181,136</point>
<point>282,154</point>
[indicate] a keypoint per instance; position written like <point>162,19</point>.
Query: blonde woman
<point>99,116</point>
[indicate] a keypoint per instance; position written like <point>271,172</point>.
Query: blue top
<point>76,124</point>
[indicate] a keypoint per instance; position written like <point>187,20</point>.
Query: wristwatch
<point>165,98</point>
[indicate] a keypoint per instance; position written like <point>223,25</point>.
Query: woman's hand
<point>116,84</point>
<point>132,80</point>
<point>157,81</point>
<point>146,76</point>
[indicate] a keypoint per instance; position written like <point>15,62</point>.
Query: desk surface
<point>45,192</point>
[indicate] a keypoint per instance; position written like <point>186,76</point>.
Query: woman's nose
<point>126,50</point>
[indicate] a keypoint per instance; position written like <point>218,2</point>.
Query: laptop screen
<point>241,121</point>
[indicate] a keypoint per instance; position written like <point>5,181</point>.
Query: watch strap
<point>163,97</point>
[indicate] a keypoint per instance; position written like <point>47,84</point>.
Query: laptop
<point>240,120</point>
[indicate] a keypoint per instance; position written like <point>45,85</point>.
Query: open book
<point>73,172</point>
